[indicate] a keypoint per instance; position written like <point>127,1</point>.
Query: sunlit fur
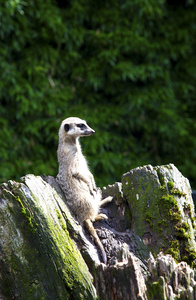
<point>74,176</point>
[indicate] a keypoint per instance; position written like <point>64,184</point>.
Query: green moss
<point>32,225</point>
<point>64,227</point>
<point>175,215</point>
<point>155,287</point>
<point>171,208</point>
<point>162,222</point>
<point>190,257</point>
<point>188,211</point>
<point>170,185</point>
<point>174,250</point>
<point>189,207</point>
<point>163,188</point>
<point>178,193</point>
<point>161,177</point>
<point>173,190</point>
<point>62,221</point>
<point>185,258</point>
<point>185,226</point>
<point>179,228</point>
<point>58,214</point>
<point>193,222</point>
<point>156,290</point>
<point>161,225</point>
<point>149,218</point>
<point>168,201</point>
<point>180,231</point>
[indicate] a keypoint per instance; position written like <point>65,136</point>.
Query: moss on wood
<point>157,208</point>
<point>37,249</point>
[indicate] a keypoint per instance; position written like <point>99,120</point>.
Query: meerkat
<point>75,178</point>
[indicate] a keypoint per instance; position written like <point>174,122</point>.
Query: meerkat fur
<point>75,178</point>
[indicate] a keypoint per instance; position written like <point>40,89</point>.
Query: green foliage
<point>127,67</point>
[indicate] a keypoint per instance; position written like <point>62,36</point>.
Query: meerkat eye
<point>66,127</point>
<point>82,126</point>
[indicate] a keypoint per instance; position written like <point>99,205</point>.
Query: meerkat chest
<point>74,161</point>
<point>80,164</point>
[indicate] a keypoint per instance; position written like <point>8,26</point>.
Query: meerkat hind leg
<point>106,200</point>
<point>100,217</point>
<point>91,229</point>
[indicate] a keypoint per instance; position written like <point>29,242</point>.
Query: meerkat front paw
<point>106,200</point>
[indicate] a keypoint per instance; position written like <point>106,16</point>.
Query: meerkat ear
<point>66,127</point>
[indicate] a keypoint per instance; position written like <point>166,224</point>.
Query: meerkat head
<point>74,128</point>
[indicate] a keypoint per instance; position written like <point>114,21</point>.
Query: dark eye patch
<point>66,127</point>
<point>81,125</point>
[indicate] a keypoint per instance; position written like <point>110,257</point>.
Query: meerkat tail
<point>89,226</point>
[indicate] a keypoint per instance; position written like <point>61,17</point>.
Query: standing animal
<point>75,178</point>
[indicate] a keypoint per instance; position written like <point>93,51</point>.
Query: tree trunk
<point>46,254</point>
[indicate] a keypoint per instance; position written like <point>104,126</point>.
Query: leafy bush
<point>127,67</point>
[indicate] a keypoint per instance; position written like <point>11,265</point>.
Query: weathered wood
<point>38,259</point>
<point>169,280</point>
<point>46,254</point>
<point>162,210</point>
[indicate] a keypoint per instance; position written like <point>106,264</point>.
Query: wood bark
<point>46,254</point>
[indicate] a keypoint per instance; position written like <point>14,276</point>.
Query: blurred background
<point>128,67</point>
